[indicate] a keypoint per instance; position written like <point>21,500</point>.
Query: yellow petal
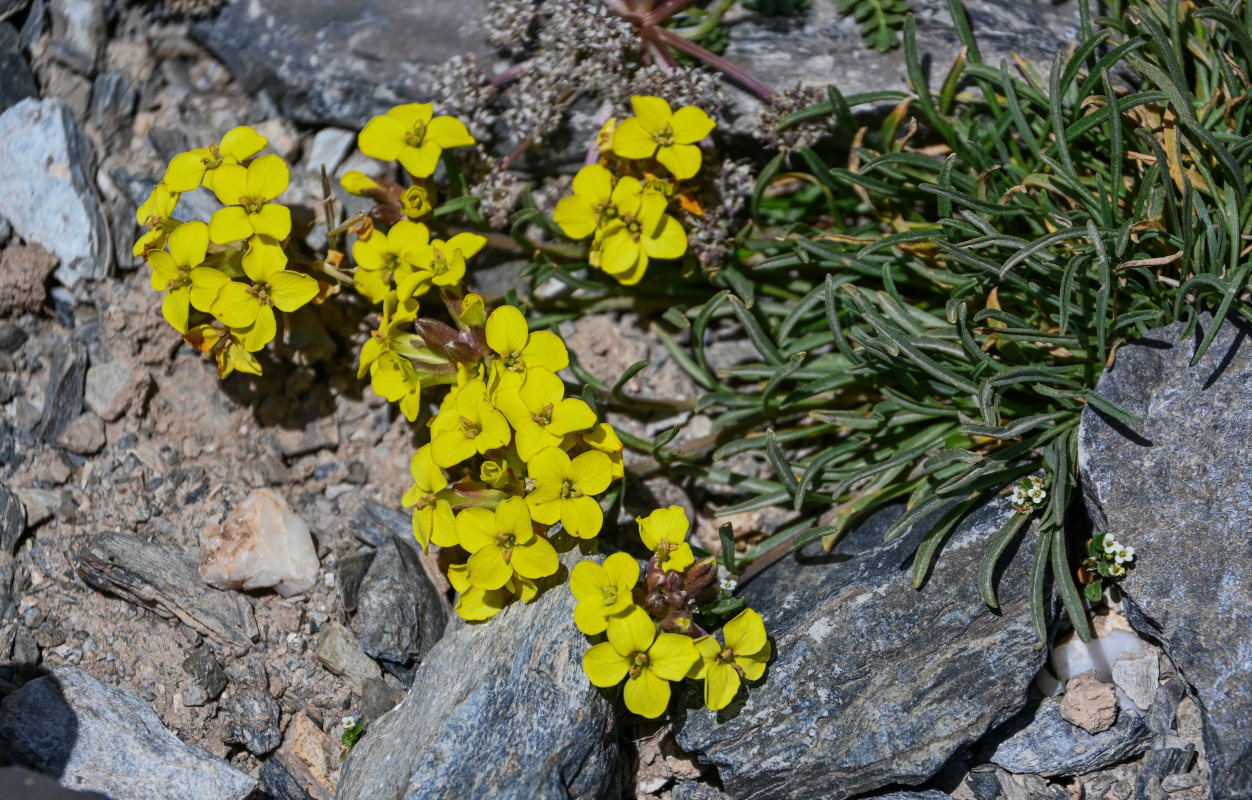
<point>421,161</point>
<point>451,448</point>
<point>477,605</point>
<point>634,273</point>
<point>174,307</point>
<point>263,258</point>
<point>587,580</point>
<point>691,125</point>
<point>273,220</point>
<point>164,270</point>
<point>535,559</point>
<point>576,217</point>
<point>358,183</point>
<point>468,243</point>
<point>632,632</point>
<point>188,243</point>
<point>495,432</point>
<point>507,332</point>
<point>443,531</point>
<point>604,666</point>
<point>382,138</point>
<point>290,290</point>
<point>476,529</point>
<point>669,523</point>
<point>631,140</point>
<point>680,558</point>
<point>669,240</point>
<point>206,282</point>
<point>545,349</point>
<point>487,569</point>
<point>228,225</point>
<point>406,237</point>
<point>545,505</point>
<point>410,114</point>
<point>653,112</point>
<point>589,617</point>
<point>594,183</point>
<point>569,415</point>
<point>261,332</point>
<point>548,466</point>
<point>619,252</point>
<point>230,184</point>
<point>582,517</point>
<point>672,655</point>
<point>591,471</point>
<point>448,132</point>
<point>621,570</point>
<point>721,684</point>
<point>709,649</point>
<point>242,143</point>
<point>185,171</point>
<point>682,160</point>
<point>512,517</point>
<point>753,666</point>
<point>267,177</point>
<point>647,695</point>
<point>745,634</point>
<point>235,305</point>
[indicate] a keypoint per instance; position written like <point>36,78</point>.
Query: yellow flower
<point>664,532</point>
<point>358,183</point>
<point>641,231</point>
<point>469,424</point>
<point>178,273</point>
<point>392,335</point>
<point>603,438</point>
<point>602,591</point>
<point>475,603</point>
<point>242,306</point>
<point>441,263</point>
<point>415,202</point>
<point>157,215</point>
<point>382,258</point>
<point>395,378</point>
<point>541,414</point>
<point>226,346</point>
<point>565,489</point>
<point>473,311</point>
<point>432,515</point>
<point>246,192</point>
<point>519,349</point>
<point>502,543</point>
<point>187,170</point>
<point>648,661</point>
<point>409,134</point>
<point>745,655</point>
<point>591,204</point>
<point>670,135</point>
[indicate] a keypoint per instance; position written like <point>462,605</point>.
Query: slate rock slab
<point>329,62</point>
<point>164,578</point>
<point>1179,490</point>
<point>108,740</point>
<point>63,395</point>
<point>823,46</point>
<point>12,520</point>
<point>497,710</point>
<point>1048,745</point>
<point>399,612</point>
<point>18,83</point>
<point>47,187</point>
<point>874,683</point>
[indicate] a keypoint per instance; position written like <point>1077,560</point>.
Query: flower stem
<point>736,74</point>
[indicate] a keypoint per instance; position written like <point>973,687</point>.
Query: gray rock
<point>927,794</point>
<point>1161,764</point>
<point>113,99</point>
<point>18,83</point>
<point>7,600</point>
<point>278,783</point>
<point>873,683</point>
<point>108,740</point>
<point>78,33</point>
<point>208,679</point>
<point>1050,746</point>
<point>113,387</point>
<point>694,790</point>
<point>47,190</point>
<point>324,62</point>
<point>823,47</point>
<point>12,520</point>
<point>1177,783</point>
<point>63,396</point>
<point>9,8</point>
<point>84,435</point>
<point>497,710</point>
<point>340,652</point>
<point>12,336</point>
<point>400,614</point>
<point>376,524</point>
<point>350,571</point>
<point>1164,705</point>
<point>330,146</point>
<point>1190,467</point>
<point>252,720</point>
<point>21,782</point>
<point>1137,673</point>
<point>166,579</point>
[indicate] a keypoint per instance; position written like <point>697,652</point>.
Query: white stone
<point>329,147</point>
<point>1137,673</point>
<point>1073,657</point>
<point>262,544</point>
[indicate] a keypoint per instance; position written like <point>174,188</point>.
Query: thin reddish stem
<point>665,11</point>
<point>740,76</point>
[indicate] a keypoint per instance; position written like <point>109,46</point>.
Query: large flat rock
<point>1179,490</point>
<point>874,683</point>
<point>496,710</point>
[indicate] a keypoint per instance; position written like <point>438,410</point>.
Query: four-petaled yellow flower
<point>475,603</point>
<point>648,661</point>
<point>565,489</point>
<point>178,273</point>
<point>157,215</point>
<point>246,192</point>
<point>225,346</point>
<point>519,348</point>
<point>602,591</point>
<point>432,514</point>
<point>541,414</point>
<point>603,438</point>
<point>590,207</point>
<point>502,543</point>
<point>386,257</point>
<point>242,306</point>
<point>440,263</point>
<point>670,135</point>
<point>408,134</point>
<point>745,655</point>
<point>394,378</point>
<point>188,170</point>
<point>467,425</point>
<point>642,230</point>
<point>664,532</point>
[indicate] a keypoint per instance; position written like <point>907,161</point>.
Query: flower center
<point>569,490</point>
<point>470,428</point>
<point>610,594</point>
<point>665,136</point>
<point>514,362</point>
<point>637,664</point>
<point>416,136</point>
<point>440,263</point>
<point>262,293</point>
<point>633,226</point>
<point>544,417</point>
<point>252,204</point>
<point>605,212</point>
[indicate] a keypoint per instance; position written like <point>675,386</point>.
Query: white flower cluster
<point>1120,554</point>
<point>1025,498</point>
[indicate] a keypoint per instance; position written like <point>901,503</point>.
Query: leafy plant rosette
<point>512,469</point>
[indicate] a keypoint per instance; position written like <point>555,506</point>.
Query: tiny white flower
<point>1117,570</point>
<point>729,585</point>
<point>348,721</point>
<point>1037,494</point>
<point>1110,544</point>
<point>1019,495</point>
<point>1124,554</point>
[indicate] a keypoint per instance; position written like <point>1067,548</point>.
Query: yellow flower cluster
<point>623,210</point>
<point>648,654</point>
<point>222,281</point>
<point>528,458</point>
